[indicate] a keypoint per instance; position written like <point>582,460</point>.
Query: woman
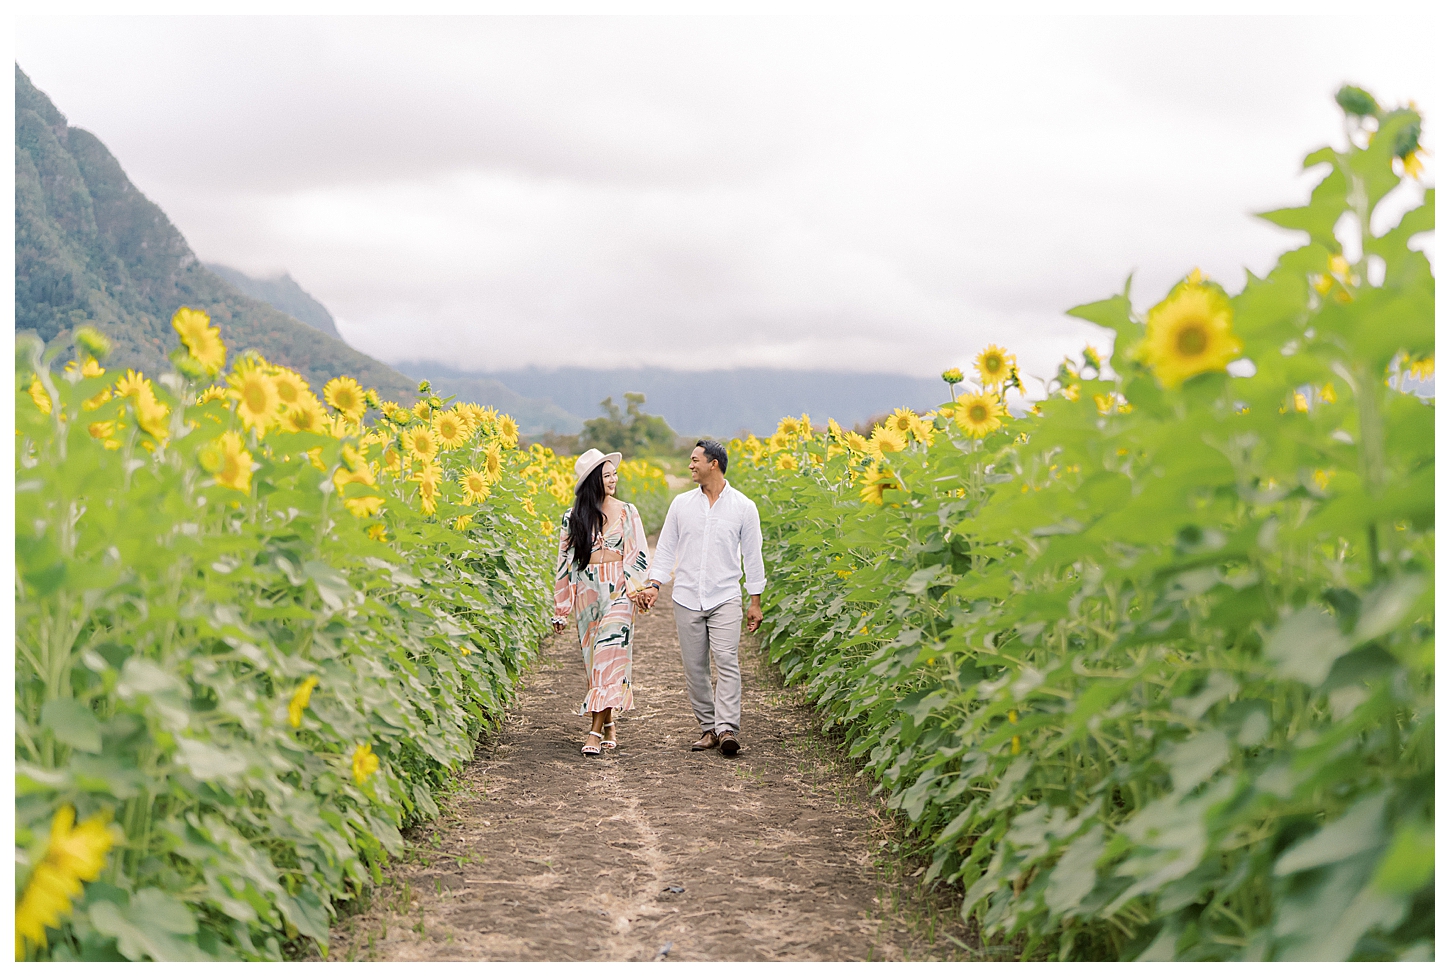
<point>601,571</point>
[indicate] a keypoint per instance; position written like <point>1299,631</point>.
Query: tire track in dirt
<point>545,854</point>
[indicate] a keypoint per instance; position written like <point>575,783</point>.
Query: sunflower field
<point>1148,667</point>
<point>255,635</point>
<point>643,484</point>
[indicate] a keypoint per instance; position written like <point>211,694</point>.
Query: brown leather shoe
<point>707,742</point>
<point>729,745</point>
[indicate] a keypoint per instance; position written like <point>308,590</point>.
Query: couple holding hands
<point>605,573</point>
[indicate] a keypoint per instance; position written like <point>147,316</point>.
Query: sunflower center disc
<point>1192,340</point>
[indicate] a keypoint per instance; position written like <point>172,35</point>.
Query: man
<point>707,535</point>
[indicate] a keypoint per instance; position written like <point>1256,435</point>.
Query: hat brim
<point>613,456</point>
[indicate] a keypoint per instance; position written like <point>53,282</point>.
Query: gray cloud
<point>696,192</point>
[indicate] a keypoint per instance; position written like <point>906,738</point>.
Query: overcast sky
<point>867,194</point>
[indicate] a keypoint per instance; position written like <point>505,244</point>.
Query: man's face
<point>700,465</point>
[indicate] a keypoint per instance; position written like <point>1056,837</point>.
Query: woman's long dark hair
<point>586,519</point>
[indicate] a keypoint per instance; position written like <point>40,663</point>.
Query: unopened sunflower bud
<point>92,342</point>
<point>1356,101</point>
<point>1407,140</point>
<point>189,366</point>
<point>424,386</point>
<point>952,376</point>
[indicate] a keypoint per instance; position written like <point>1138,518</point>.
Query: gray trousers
<point>703,635</point>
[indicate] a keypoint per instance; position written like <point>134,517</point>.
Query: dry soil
<point>651,851</point>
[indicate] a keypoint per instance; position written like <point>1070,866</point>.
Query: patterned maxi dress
<point>599,596</point>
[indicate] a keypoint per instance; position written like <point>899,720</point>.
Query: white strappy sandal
<point>609,744</point>
<point>589,749</point>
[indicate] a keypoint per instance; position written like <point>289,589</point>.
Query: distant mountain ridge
<point>720,403</point>
<point>91,248</point>
<point>281,293</point>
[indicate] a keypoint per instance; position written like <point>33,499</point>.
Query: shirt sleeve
<point>636,551</point>
<point>750,552</point>
<point>563,586</point>
<point>662,566</point>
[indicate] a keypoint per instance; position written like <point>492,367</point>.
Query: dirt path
<point>653,851</point>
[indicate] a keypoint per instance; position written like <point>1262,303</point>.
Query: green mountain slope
<point>89,247</point>
<point>281,293</point>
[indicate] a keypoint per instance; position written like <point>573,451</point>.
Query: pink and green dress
<point>599,597</point>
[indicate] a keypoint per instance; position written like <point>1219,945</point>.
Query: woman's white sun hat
<point>591,460</point>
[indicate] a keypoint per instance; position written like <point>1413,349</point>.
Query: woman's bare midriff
<point>608,556</point>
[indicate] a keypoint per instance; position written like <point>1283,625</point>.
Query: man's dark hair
<point>715,451</point>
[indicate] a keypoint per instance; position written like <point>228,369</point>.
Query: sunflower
<point>290,387</point>
<point>903,421</point>
<point>450,430</point>
<point>130,383</point>
<point>430,474</point>
<point>339,427</point>
<point>857,442</point>
<point>75,853</point>
<point>923,431</point>
<point>341,478</point>
<point>952,376</point>
<point>102,429</point>
<point>345,395</point>
<point>256,396</point>
<point>1421,369</point>
<point>786,463</point>
<point>874,483</point>
<point>100,398</point>
<point>995,366</point>
<point>1189,332</point>
<point>202,340</point>
<point>151,414</point>
<point>789,428</point>
<point>428,497</point>
<point>363,506</point>
<point>392,462</point>
<point>306,415</point>
<point>475,486</point>
<point>210,394</point>
<point>462,523</point>
<point>886,440</point>
<point>378,532</point>
<point>300,699</point>
<point>420,442</point>
<point>493,462</point>
<point>979,414</point>
<point>473,412</point>
<point>88,370</point>
<point>508,430</point>
<point>38,394</point>
<point>422,410</point>
<point>235,468</point>
<point>364,763</point>
<point>400,415</point>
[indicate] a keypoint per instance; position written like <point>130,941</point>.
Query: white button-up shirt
<point>704,546</point>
